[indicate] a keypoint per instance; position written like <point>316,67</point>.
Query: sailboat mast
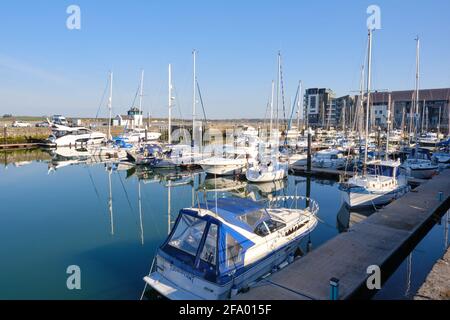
<point>170,106</point>
<point>110,104</point>
<point>141,94</point>
<point>194,95</point>
<point>299,105</point>
<point>278,88</point>
<point>360,111</point>
<point>388,126</point>
<point>271,109</point>
<point>417,90</point>
<point>369,84</point>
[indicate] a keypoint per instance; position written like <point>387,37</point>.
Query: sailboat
<point>109,149</point>
<point>175,155</point>
<point>137,133</point>
<point>414,166</point>
<point>271,168</point>
<point>379,182</point>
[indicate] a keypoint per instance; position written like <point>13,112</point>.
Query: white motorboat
<point>137,135</point>
<point>178,156</point>
<point>381,185</point>
<point>419,168</point>
<point>267,171</point>
<point>297,159</point>
<point>224,166</point>
<point>63,136</point>
<point>109,151</point>
<point>429,139</point>
<point>419,165</point>
<point>225,245</point>
<point>330,158</point>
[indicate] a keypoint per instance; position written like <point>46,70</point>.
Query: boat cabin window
<point>233,252</point>
<point>209,249</point>
<point>82,131</point>
<point>60,134</point>
<point>267,227</point>
<point>188,234</point>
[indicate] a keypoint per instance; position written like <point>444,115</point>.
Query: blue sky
<point>46,68</point>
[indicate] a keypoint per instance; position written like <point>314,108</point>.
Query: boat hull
<point>256,176</point>
<point>365,199</point>
<point>222,170</point>
<point>419,173</point>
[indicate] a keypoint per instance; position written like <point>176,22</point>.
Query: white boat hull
<point>256,176</point>
<point>223,170</point>
<point>95,138</point>
<point>419,173</point>
<point>364,199</point>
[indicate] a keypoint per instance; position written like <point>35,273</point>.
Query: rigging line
<point>178,103</point>
<point>93,184</point>
<point>102,99</point>
<point>125,191</point>
<point>201,101</point>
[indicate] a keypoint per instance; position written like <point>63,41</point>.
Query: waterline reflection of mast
<point>110,201</point>
<point>408,274</point>
<point>140,211</point>
<point>169,222</point>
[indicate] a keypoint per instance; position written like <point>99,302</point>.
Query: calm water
<point>51,219</point>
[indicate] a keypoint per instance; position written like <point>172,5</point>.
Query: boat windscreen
<point>254,217</point>
<point>188,234</point>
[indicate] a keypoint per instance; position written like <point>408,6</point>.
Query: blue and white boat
<point>226,245</point>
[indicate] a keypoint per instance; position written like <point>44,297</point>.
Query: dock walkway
<point>19,146</point>
<point>384,239</point>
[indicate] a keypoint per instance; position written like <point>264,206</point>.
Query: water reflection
<point>113,216</point>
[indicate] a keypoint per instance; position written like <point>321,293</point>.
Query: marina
<point>245,153</point>
<point>118,229</point>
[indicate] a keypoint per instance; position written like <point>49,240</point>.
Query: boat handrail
<point>313,205</point>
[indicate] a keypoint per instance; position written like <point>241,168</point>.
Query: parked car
<point>42,124</point>
<point>21,124</point>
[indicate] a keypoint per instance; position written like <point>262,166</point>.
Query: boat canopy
<point>206,246</point>
<point>383,168</point>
